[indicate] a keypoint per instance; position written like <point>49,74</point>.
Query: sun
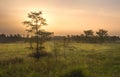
<point>46,14</point>
<point>47,17</point>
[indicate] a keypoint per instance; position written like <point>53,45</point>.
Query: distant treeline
<point>84,39</point>
<point>5,38</point>
<point>11,38</point>
<point>88,37</point>
<point>94,39</point>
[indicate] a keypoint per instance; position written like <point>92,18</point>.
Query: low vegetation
<point>75,60</point>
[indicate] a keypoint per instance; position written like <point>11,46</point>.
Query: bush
<point>73,73</point>
<point>37,55</point>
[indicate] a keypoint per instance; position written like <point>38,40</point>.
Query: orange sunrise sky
<point>63,16</point>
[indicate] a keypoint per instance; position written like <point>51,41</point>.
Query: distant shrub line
<point>78,38</point>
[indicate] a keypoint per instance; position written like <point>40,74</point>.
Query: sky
<point>63,16</point>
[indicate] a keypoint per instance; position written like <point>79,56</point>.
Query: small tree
<point>34,24</point>
<point>88,33</point>
<point>43,37</point>
<point>102,34</point>
<point>29,37</point>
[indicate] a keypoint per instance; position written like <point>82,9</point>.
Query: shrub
<point>73,73</point>
<point>39,54</point>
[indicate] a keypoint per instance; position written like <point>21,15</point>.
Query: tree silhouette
<point>88,33</point>
<point>102,34</point>
<point>34,24</point>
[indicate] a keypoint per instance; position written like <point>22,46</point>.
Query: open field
<point>94,60</point>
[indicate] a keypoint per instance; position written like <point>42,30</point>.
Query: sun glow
<point>46,15</point>
<point>62,17</point>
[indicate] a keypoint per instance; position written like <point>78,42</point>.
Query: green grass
<point>94,60</point>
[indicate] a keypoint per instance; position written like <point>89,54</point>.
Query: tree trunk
<point>37,44</point>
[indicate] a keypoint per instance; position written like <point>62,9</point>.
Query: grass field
<point>94,60</point>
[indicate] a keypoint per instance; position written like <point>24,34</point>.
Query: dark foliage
<point>11,38</point>
<point>39,54</point>
<point>74,73</point>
